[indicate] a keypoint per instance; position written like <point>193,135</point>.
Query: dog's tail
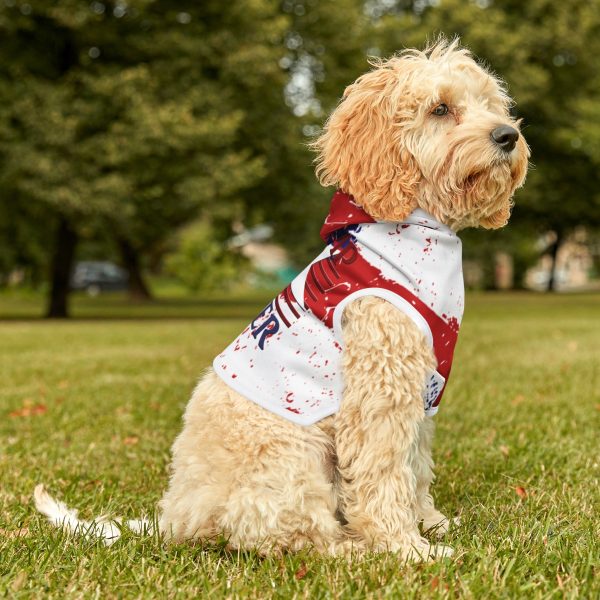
<point>104,528</point>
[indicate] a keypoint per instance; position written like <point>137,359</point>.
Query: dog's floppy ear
<point>497,219</point>
<point>361,149</point>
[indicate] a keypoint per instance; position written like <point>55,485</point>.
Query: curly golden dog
<point>424,141</point>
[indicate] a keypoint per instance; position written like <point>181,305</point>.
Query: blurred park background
<point>161,146</point>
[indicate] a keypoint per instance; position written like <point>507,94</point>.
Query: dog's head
<point>427,129</point>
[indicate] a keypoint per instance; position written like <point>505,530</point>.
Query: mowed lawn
<point>91,406</point>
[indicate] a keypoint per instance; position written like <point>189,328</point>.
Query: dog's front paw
<point>438,525</point>
<point>425,552</point>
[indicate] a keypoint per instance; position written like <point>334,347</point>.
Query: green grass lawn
<point>91,406</point>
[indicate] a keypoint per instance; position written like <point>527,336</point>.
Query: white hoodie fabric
<point>288,360</point>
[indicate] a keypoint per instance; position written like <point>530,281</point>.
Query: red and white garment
<point>288,360</point>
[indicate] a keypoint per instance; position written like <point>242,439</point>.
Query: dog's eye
<point>440,110</point>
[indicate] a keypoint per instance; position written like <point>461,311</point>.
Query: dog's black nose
<point>505,136</point>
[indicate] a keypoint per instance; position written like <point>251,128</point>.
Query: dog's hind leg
<point>386,361</point>
<point>286,500</point>
<point>201,467</point>
<point>285,503</point>
<point>242,472</point>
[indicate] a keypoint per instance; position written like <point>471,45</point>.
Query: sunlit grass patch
<point>91,407</point>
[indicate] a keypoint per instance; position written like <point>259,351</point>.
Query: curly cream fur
<point>378,426</point>
<point>360,479</point>
<point>250,475</point>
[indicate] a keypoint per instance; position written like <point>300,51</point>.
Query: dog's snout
<point>505,136</point>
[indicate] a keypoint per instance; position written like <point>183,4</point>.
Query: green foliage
<point>483,247</point>
<point>132,119</point>
<point>24,239</point>
<point>202,262</point>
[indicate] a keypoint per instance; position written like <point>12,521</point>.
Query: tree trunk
<point>62,265</point>
<point>552,280</point>
<point>138,290</point>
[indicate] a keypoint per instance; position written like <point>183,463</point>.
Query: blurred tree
<point>119,116</point>
<point>201,262</point>
<point>137,117</point>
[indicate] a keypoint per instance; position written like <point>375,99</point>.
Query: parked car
<point>98,276</point>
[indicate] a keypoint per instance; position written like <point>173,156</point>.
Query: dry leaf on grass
<point>301,572</point>
<point>29,411</point>
<point>19,581</point>
<point>131,440</point>
<point>521,492</point>
<point>505,450</point>
<point>436,584</point>
<point>11,534</point>
<point>92,483</point>
<point>491,436</point>
<point>518,399</point>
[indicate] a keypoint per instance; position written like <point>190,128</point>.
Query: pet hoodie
<point>288,360</point>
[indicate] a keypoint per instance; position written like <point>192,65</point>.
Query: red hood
<point>342,213</point>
